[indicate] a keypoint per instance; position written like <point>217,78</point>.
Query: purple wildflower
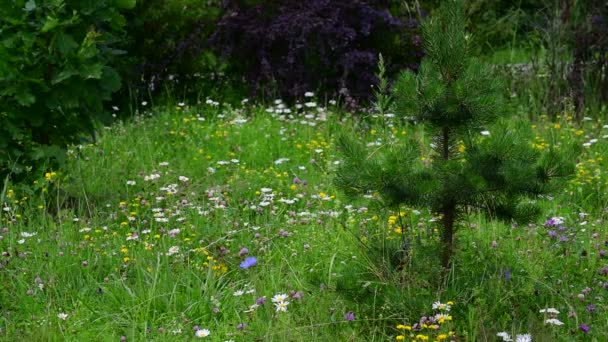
<point>590,308</point>
<point>552,234</point>
<point>585,328</point>
<point>241,326</point>
<point>260,300</point>
<point>249,262</point>
<point>243,251</point>
<point>349,316</point>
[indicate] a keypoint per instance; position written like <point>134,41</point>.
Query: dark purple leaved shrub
<point>285,48</point>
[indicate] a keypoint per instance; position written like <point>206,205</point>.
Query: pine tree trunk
<point>447,237</point>
<point>448,210</point>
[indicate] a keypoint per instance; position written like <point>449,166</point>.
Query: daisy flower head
<point>554,321</point>
<point>550,311</point>
<point>281,306</point>
<point>281,297</point>
<point>442,318</point>
<point>523,338</point>
<point>442,306</point>
<point>505,336</point>
<point>200,333</point>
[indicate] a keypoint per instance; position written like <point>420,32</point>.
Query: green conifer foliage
<point>457,99</point>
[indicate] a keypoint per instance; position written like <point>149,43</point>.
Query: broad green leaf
<point>49,24</point>
<point>116,52</point>
<point>117,21</point>
<point>64,75</point>
<point>91,71</point>
<point>48,151</point>
<point>9,42</point>
<point>8,91</point>
<point>30,6</point>
<point>65,43</point>
<point>110,81</point>
<point>87,7</point>
<point>88,48</point>
<point>25,98</point>
<point>125,4</point>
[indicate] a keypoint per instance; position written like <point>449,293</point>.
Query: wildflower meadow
<point>207,221</point>
<point>273,171</point>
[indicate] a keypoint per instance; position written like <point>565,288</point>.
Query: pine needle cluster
<point>477,161</point>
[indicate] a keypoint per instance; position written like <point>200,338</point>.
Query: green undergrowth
<point>145,235</point>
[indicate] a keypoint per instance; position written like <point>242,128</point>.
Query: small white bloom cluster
<point>518,338</point>
<point>441,306</point>
<point>172,250</point>
<point>552,313</point>
<point>280,302</point>
<point>200,333</point>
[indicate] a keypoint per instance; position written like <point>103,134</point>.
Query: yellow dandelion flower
<point>49,176</point>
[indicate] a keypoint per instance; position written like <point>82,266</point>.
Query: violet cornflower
<point>249,262</point>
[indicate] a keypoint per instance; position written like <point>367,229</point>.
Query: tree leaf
<point>48,151</point>
<point>91,71</point>
<point>110,81</point>
<point>64,75</point>
<point>49,24</point>
<point>125,4</point>
<point>25,98</point>
<point>65,43</point>
<point>30,6</point>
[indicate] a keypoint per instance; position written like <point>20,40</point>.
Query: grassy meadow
<point>223,224</point>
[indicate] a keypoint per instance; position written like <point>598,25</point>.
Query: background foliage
<point>56,70</point>
<point>56,53</point>
<point>289,47</point>
<point>168,46</point>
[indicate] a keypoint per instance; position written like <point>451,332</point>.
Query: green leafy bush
<point>56,71</point>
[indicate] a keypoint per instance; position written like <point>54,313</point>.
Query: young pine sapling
<point>457,99</point>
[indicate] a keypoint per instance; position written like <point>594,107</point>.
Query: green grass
<point>154,259</point>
